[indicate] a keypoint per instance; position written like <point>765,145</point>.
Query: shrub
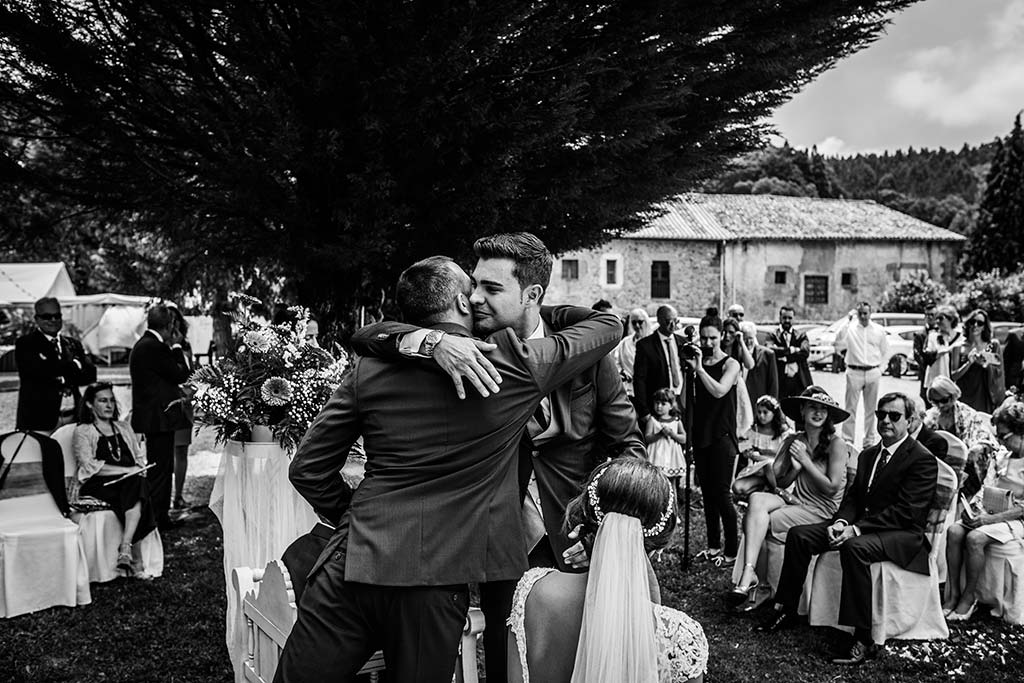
<point>912,294</point>
<point>1001,296</point>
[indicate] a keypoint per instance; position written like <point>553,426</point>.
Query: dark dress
<point>714,456</point>
<point>975,389</point>
<point>124,494</point>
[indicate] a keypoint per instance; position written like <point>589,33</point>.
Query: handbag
<point>995,500</point>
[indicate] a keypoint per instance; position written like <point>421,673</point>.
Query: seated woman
<point>760,445</point>
<point>607,626</point>
<point>814,461</point>
<point>951,415</point>
<point>967,539</point>
<point>106,451</point>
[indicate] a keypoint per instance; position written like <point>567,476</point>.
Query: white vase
<point>261,434</point>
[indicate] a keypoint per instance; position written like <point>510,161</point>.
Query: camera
<point>690,351</point>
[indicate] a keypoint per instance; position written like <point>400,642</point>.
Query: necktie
<point>56,345</point>
<point>673,363</point>
<point>541,419</point>
<point>883,460</point>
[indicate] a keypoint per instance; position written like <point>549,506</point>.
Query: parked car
<point>1001,330</point>
<point>900,337</point>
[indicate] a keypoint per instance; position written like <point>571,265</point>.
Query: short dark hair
<point>602,305</point>
<point>427,288</point>
<point>159,317</point>
<point>787,307</point>
<point>909,406</point>
<point>531,259</point>
<point>44,301</point>
<point>85,413</point>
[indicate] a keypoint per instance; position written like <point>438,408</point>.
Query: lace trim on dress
<point>517,618</point>
<point>682,646</point>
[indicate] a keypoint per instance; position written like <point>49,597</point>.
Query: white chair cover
<point>261,514</point>
<point>1002,581</point>
<point>957,452</point>
<point>42,562</point>
<point>101,530</point>
<point>905,605</point>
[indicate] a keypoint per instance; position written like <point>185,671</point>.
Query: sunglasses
<point>893,415</point>
<point>941,401</point>
<point>49,316</point>
<point>979,323</point>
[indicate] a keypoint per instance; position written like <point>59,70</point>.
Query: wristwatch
<point>430,342</point>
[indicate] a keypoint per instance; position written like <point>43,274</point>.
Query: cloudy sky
<point>946,72</point>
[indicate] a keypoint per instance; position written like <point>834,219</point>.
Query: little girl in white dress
<point>665,437</point>
<point>606,626</point>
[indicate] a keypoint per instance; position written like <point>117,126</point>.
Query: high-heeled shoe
<point>957,616</point>
<point>124,558</point>
<point>741,594</point>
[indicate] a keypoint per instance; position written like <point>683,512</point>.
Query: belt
<point>862,367</point>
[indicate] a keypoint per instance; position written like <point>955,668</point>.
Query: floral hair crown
<point>599,513</point>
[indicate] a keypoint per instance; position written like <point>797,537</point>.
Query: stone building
<point>821,256</point>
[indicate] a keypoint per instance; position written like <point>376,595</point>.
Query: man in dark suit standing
<point>156,371</point>
<point>579,425</point>
<point>658,362</point>
<point>440,505</point>
<point>882,517</point>
<point>791,349</point>
<point>51,367</point>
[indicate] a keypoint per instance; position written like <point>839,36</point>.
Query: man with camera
<point>659,361</point>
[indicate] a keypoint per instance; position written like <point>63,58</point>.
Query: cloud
<point>969,82</point>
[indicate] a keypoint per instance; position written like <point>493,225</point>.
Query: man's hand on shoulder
<point>463,358</point>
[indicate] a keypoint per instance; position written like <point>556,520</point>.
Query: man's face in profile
<point>668,320</point>
<point>497,297</point>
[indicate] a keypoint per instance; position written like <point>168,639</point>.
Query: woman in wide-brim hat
<point>814,462</point>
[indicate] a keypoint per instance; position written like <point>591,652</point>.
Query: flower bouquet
<point>274,378</point>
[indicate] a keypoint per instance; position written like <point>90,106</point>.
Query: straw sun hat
<point>792,405</point>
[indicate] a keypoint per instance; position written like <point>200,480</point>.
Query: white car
<point>900,337</point>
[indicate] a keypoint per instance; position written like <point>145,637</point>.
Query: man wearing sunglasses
<point>51,367</point>
<point>882,517</point>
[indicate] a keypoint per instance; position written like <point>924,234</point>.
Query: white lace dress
<point>682,646</point>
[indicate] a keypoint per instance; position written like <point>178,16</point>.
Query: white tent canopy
<point>22,284</point>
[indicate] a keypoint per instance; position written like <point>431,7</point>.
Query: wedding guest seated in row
<point>977,529</point>
<point>814,461</point>
<point>951,415</point>
<point>977,365</point>
<point>607,625</point>
<point>106,450</point>
<point>761,443</point>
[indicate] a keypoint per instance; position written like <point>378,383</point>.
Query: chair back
<point>956,454</point>
<point>24,494</point>
<point>946,487</point>
<point>64,437</point>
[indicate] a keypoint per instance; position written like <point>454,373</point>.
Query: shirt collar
<point>538,332</point>
<point>896,446</point>
<point>917,432</point>
<point>155,334</point>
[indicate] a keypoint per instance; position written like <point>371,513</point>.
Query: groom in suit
<point>51,367</point>
<point>440,505</point>
<point>882,517</point>
<point>579,425</point>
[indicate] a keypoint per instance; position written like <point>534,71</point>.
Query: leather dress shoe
<point>777,620</point>
<point>859,653</point>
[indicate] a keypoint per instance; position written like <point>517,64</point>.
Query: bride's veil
<point>617,640</point>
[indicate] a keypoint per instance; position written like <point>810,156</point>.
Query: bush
<point>1001,296</point>
<point>912,294</point>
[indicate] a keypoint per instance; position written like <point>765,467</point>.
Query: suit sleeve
<point>773,375</point>
<point>315,471</point>
<point>775,344</point>
<point>33,365</point>
<point>913,499</point>
<point>556,359</point>
<point>641,367</point>
<point>803,351</point>
<point>380,340</point>
<point>86,374</point>
<point>850,507</point>
<point>616,421</point>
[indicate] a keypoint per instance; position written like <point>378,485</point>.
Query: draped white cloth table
<point>260,513</point>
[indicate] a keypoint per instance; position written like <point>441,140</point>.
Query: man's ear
<point>462,304</point>
<point>532,295</point>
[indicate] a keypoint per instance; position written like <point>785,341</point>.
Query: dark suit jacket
<point>440,503</point>
<point>899,500</point>
<point>938,447</point>
<point>156,372</point>
<point>763,378</point>
<point>43,374</point>
<point>650,369</point>
<point>300,556</point>
<point>1013,360</point>
<point>921,357</point>
<point>784,355</point>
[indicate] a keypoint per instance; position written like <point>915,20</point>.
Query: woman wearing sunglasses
<point>976,365</point>
<point>967,539</point>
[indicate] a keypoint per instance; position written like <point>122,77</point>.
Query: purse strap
<point>10,463</point>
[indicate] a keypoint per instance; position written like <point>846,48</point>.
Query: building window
<point>848,280</point>
<point>780,277</point>
<point>815,290</point>
<point>661,286</point>
<point>611,270</point>
<point>570,269</point>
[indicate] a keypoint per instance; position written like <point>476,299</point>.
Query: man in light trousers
<point>867,348</point>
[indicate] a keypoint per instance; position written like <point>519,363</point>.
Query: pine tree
<point>997,240</point>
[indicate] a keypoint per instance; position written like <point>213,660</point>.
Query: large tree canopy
<point>342,140</point>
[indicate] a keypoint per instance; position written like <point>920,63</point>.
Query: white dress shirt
<point>865,345</point>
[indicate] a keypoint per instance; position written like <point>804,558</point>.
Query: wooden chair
<point>42,563</point>
<point>905,605</point>
<point>268,608</point>
<point>100,529</point>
